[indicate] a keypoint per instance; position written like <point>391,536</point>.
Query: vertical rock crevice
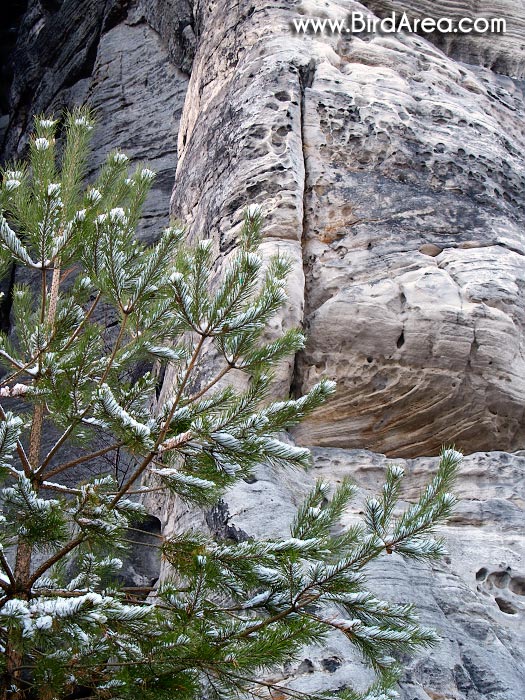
<point>306,80</point>
<point>175,24</point>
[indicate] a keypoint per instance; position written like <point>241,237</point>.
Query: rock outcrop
<point>110,55</point>
<point>390,169</point>
<point>474,597</point>
<point>392,176</point>
<point>413,254</point>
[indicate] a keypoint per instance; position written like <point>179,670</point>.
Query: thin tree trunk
<point>12,651</point>
<point>12,688</point>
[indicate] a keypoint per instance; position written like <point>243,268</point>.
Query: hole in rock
<point>401,340</point>
<point>500,579</point>
<point>481,575</point>
<point>331,664</point>
<point>517,585</point>
<point>141,565</point>
<point>306,666</point>
<point>505,606</point>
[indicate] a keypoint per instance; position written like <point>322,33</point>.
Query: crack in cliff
<point>114,13</point>
<point>11,19</point>
<point>306,74</point>
<point>175,23</point>
<point>477,245</point>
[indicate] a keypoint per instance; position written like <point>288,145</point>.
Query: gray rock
<point>69,53</point>
<point>502,52</point>
<point>123,61</point>
<point>474,597</point>
<point>391,175</point>
<point>417,341</point>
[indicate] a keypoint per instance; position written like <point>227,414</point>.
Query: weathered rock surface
<point>389,173</point>
<point>392,174</point>
<point>396,174</point>
<point>413,255</point>
<point>116,56</point>
<point>474,597</point>
<point>501,52</point>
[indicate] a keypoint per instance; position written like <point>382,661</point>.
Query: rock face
<point>413,253</point>
<point>392,174</point>
<point>111,54</point>
<point>474,597</point>
<point>501,52</point>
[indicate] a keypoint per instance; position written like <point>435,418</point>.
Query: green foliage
<point>228,613</point>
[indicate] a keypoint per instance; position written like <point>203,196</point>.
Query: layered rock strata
<point>502,52</point>
<point>111,55</point>
<point>393,177</point>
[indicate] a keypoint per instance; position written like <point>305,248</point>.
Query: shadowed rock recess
<point>390,169</point>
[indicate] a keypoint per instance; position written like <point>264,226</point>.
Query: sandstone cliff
<point>391,170</point>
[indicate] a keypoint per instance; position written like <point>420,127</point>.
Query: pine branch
<point>19,447</point>
<point>245,606</point>
<point>75,462</point>
<point>81,325</point>
<point>36,358</point>
<point>162,434</point>
<point>58,556</point>
<point>205,390</point>
<point>11,241</point>
<point>5,566</point>
<point>59,488</point>
<point>63,438</point>
<point>116,347</point>
<point>10,359</point>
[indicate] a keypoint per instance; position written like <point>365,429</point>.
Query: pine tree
<point>229,612</point>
